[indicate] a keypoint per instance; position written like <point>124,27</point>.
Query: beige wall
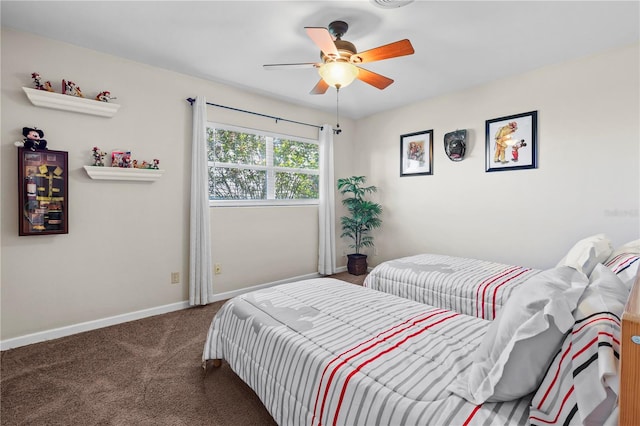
<point>125,238</point>
<point>587,180</point>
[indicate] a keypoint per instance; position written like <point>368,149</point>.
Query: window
<point>247,167</point>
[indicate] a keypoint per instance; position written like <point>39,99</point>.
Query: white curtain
<point>200,271</point>
<point>326,217</point>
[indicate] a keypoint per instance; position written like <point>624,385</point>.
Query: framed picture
<point>512,142</point>
<point>416,153</point>
<point>43,188</point>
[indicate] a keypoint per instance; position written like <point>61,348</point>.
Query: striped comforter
<point>325,352</point>
<point>581,385</point>
<point>469,286</point>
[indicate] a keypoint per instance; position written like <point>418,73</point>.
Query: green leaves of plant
<point>364,214</point>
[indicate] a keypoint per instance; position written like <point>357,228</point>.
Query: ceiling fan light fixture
<point>338,74</point>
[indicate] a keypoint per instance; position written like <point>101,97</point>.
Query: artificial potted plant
<point>363,217</point>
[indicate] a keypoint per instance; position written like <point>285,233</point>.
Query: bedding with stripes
<point>326,352</point>
<point>582,384</point>
<point>588,358</point>
<point>470,286</point>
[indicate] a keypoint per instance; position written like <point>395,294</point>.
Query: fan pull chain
<point>338,130</point>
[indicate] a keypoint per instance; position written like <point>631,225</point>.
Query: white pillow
<point>521,342</point>
<point>630,247</point>
<point>605,293</point>
<point>624,262</point>
<point>587,253</point>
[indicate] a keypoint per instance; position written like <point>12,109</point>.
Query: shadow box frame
<point>416,153</point>
<point>43,192</point>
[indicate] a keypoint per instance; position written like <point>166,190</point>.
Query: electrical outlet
<point>217,269</point>
<point>175,278</point>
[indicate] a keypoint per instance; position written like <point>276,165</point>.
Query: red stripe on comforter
<point>484,285</point>
<point>624,264</point>
<point>495,292</point>
<point>593,342</point>
<point>370,345</point>
<point>370,360</point>
<point>564,401</point>
<point>555,377</point>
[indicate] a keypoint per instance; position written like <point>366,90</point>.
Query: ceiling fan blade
<point>391,50</point>
<point>320,88</point>
<point>376,80</point>
<point>321,37</point>
<point>291,66</point>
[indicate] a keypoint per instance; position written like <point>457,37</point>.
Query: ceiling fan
<point>340,59</point>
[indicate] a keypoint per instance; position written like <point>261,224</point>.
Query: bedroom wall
<point>125,238</point>
<point>587,180</point>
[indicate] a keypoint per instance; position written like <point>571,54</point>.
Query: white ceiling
<point>457,44</point>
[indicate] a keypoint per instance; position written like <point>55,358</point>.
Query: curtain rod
<point>192,100</point>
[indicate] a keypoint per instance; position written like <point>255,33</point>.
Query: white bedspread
<point>322,351</point>
<point>470,286</point>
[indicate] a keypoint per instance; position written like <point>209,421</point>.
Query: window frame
<point>270,169</point>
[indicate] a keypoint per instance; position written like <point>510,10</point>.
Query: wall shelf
<point>121,173</point>
<point>45,99</point>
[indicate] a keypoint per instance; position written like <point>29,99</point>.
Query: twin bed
<point>411,350</point>
<point>469,286</point>
<point>479,287</point>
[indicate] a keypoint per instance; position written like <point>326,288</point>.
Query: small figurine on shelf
<point>145,164</point>
<point>126,160</point>
<point>37,81</point>
<point>70,88</point>
<point>98,157</point>
<point>105,96</point>
<point>33,139</point>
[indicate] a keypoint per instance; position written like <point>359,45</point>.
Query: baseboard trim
<point>69,330</point>
<point>56,333</point>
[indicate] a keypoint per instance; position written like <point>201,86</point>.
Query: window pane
<point>294,154</point>
<point>245,165</point>
<point>211,143</point>
<point>226,146</point>
<point>237,184</point>
<point>291,186</point>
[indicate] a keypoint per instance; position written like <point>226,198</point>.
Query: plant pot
<point>357,264</point>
